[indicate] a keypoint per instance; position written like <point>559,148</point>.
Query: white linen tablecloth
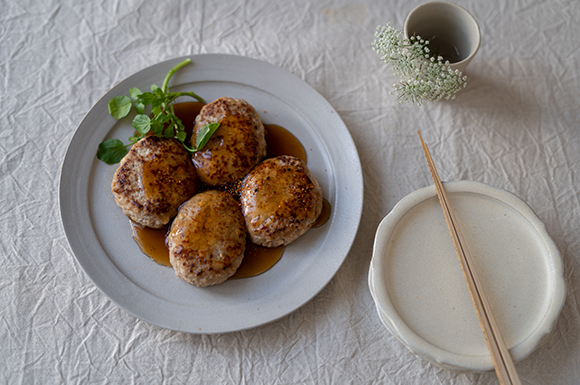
<point>516,127</point>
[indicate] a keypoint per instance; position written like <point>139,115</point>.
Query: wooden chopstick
<point>502,360</point>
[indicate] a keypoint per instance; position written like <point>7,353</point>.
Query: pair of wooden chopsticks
<point>502,361</point>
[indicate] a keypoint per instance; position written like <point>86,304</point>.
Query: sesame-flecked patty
<point>235,147</point>
<point>207,239</point>
<point>281,200</point>
<point>153,180</point>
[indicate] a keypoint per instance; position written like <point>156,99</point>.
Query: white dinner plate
<point>100,235</point>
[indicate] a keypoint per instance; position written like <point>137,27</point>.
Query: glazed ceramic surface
<point>448,23</point>
<point>420,291</point>
<point>100,235</point>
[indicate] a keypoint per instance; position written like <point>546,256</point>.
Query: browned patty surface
<point>153,180</point>
<point>207,239</point>
<point>237,145</point>
<point>281,200</point>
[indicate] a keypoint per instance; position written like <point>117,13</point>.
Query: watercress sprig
<point>162,122</point>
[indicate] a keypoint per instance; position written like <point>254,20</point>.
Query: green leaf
<point>139,108</point>
<point>156,111</point>
<point>134,93</point>
<point>157,105</point>
<point>205,134</point>
<point>142,124</point>
<point>135,139</point>
<point>181,135</point>
<point>120,106</point>
<point>161,118</point>
<point>157,129</point>
<point>168,132</point>
<point>158,92</point>
<point>147,98</point>
<point>111,151</point>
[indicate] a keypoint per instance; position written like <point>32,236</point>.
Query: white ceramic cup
<point>450,29</point>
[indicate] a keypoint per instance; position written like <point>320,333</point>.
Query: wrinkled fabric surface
<point>516,127</point>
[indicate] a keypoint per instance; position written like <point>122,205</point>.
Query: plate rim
<point>80,205</point>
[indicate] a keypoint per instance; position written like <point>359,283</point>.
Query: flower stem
<point>165,85</point>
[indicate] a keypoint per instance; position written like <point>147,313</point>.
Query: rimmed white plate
<point>419,290</point>
<point>100,236</point>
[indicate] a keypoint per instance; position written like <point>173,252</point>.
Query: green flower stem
<point>171,72</point>
<point>175,95</point>
<point>165,88</point>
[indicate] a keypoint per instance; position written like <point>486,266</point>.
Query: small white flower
<point>423,77</point>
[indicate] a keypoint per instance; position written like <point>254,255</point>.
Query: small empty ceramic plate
<point>420,293</point>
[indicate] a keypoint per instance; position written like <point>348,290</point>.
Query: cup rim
<point>460,9</point>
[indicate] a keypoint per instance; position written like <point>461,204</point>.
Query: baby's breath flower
<point>423,77</point>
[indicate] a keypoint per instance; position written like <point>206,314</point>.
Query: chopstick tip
<point>420,136</point>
